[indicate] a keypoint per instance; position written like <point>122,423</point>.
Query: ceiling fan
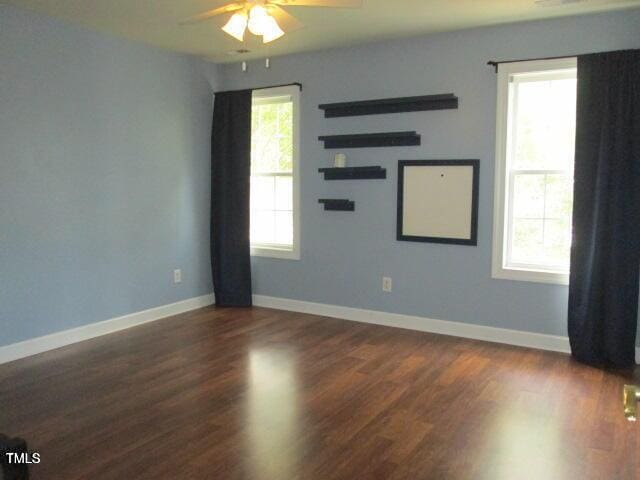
<point>265,18</point>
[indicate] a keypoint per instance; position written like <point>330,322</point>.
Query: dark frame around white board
<point>472,238</point>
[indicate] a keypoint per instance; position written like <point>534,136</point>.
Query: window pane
<point>528,196</point>
<point>527,243</point>
<point>268,115</point>
<point>271,137</point>
<point>541,225</point>
<point>558,197</point>
<point>284,193</point>
<point>285,132</point>
<point>544,124</point>
<point>284,228</point>
<point>262,193</point>
<point>557,241</point>
<point>286,154</point>
<point>262,226</point>
<point>285,119</point>
<point>264,144</point>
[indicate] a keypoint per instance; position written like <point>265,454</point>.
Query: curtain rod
<point>299,85</point>
<point>495,63</point>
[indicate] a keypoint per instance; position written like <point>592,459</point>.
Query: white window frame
<point>278,251</point>
<point>527,273</point>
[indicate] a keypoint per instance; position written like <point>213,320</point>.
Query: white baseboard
<point>520,338</point>
<point>423,324</point>
<point>52,341</point>
<point>30,347</point>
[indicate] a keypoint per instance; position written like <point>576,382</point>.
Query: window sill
<point>536,276</point>
<point>271,252</point>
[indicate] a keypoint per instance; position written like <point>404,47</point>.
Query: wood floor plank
<point>263,394</point>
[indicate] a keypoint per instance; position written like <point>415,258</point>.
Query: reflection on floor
<point>272,395</point>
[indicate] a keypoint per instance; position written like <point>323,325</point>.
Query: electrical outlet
<point>177,276</point>
<point>387,284</point>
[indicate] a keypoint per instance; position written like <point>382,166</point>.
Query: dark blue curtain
<point>605,256</point>
<point>230,188</point>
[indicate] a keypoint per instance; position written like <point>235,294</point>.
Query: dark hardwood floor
<point>271,395</point>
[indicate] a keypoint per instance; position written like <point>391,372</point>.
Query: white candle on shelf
<point>340,160</point>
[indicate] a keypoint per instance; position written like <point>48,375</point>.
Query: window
<point>536,121</point>
<point>275,213</point>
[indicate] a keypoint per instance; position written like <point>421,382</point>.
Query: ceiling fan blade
<point>318,3</point>
<point>287,22</point>
<point>201,17</point>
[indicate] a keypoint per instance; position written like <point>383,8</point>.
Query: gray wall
<point>104,176</point>
<point>344,255</point>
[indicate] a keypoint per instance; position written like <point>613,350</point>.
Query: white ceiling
<point>156,22</point>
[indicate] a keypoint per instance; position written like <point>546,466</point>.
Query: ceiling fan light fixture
<point>272,30</point>
<point>269,20</point>
<point>258,20</point>
<point>236,26</point>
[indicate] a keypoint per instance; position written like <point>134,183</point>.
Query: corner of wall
<point>211,72</point>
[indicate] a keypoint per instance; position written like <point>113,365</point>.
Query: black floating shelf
<point>353,173</point>
<point>444,101</point>
<point>338,204</point>
<point>363,140</point>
